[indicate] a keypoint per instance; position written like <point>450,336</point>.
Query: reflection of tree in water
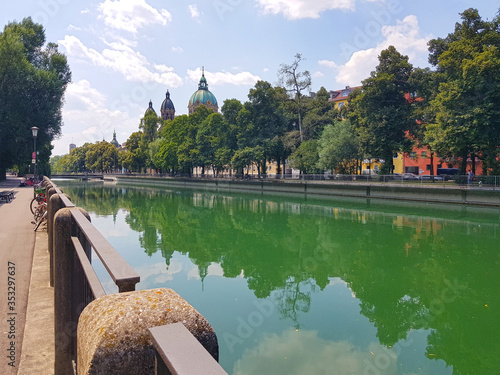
<point>294,297</point>
<point>398,266</point>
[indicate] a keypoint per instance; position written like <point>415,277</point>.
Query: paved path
<point>27,252</point>
<point>17,241</point>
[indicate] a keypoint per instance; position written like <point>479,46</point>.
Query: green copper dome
<point>203,95</point>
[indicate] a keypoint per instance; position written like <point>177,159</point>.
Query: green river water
<point>295,286</point>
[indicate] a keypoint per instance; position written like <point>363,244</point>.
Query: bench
<point>6,195</point>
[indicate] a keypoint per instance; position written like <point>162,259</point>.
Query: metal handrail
<point>120,271</point>
<point>90,275</point>
<point>176,348</point>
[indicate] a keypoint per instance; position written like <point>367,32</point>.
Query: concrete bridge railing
<point>96,333</point>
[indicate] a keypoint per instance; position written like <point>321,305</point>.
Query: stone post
<point>113,336</point>
<point>53,205</point>
<point>64,326</point>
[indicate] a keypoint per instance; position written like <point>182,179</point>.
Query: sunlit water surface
<point>295,286</point>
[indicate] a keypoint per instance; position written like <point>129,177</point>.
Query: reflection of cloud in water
<point>214,269</point>
<point>303,352</point>
<point>337,281</point>
<point>159,271</point>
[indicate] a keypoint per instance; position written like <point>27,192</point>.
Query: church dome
<point>167,103</point>
<point>167,108</point>
<point>150,109</point>
<point>203,96</point>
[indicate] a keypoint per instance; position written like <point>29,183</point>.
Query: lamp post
<point>34,130</point>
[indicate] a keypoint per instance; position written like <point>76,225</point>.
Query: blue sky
<point>123,53</point>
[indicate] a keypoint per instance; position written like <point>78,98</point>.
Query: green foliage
<point>166,157</point>
<point>96,157</point>
<point>466,105</point>
<point>338,148</point>
<point>380,112</point>
<point>32,84</point>
<point>305,157</point>
<point>101,157</point>
<point>320,113</point>
<point>149,126</point>
<point>243,158</point>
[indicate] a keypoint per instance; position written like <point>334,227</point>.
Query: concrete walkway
<point>29,334</point>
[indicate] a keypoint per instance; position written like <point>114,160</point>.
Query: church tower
<point>167,108</point>
<point>203,96</point>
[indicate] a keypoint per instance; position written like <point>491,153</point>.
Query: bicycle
<point>40,215</point>
<point>38,199</point>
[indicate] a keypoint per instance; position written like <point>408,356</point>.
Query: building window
<point>341,104</point>
<point>413,155</point>
<point>424,154</point>
<point>428,167</point>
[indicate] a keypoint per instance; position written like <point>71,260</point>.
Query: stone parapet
<point>113,336</point>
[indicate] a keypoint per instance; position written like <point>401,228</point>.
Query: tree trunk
<point>463,167</point>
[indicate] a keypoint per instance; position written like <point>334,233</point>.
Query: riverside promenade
<point>27,340</point>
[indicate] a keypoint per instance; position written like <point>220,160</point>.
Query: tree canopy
<point>33,78</point>
<point>380,111</point>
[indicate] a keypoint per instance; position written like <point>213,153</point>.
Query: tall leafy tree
<point>305,157</point>
<point>33,79</point>
<point>338,148</point>
<point>380,111</point>
<point>213,142</point>
<point>425,85</point>
<point>467,110</point>
<point>266,122</point>
<point>320,112</point>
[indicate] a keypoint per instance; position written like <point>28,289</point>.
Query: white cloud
<point>121,58</point>
<point>298,9</point>
<point>221,78</point>
<point>88,119</point>
<point>177,49</point>
<point>405,36</point>
<point>265,70</point>
<point>130,15</point>
<point>317,74</point>
<point>327,63</point>
<point>195,13</point>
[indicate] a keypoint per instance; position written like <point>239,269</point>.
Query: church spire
<point>203,85</point>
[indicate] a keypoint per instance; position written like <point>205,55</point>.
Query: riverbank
<point>440,193</point>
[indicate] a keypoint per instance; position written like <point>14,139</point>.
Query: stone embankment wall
<point>440,193</point>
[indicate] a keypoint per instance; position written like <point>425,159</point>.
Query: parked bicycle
<point>39,198</point>
<point>40,215</point>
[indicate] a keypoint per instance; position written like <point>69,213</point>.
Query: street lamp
<point>34,130</point>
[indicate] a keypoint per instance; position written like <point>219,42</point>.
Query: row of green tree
<point>33,78</point>
<point>452,109</point>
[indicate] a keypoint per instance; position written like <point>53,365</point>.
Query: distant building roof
<point>336,95</point>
